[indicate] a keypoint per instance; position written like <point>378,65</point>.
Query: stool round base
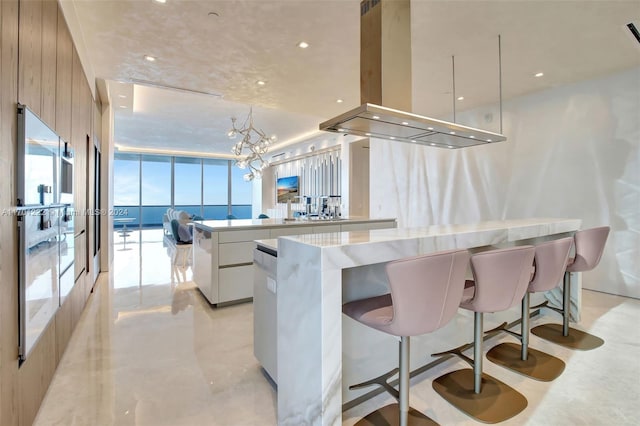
<point>390,415</point>
<point>496,402</point>
<point>539,365</point>
<point>575,340</point>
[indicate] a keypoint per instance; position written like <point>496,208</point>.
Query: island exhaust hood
<point>385,79</point>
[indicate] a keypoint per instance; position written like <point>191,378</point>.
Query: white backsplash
<point>571,152</point>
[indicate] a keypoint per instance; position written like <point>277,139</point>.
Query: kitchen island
<point>223,250</point>
<point>316,274</point>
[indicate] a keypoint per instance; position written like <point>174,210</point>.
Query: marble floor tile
<point>149,350</point>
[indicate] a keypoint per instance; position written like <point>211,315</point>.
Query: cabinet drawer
<point>367,226</point>
<point>234,253</point>
<point>235,283</point>
<point>246,235</point>
<point>326,228</point>
<point>292,230</point>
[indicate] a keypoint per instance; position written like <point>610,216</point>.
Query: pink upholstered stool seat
<point>589,246</point>
<point>501,278</point>
<point>425,294</point>
<point>550,262</point>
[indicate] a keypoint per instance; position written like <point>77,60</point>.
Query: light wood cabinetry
<point>223,257</point>
<point>36,374</point>
<point>39,67</point>
<point>64,79</point>
<point>30,55</point>
<point>49,58</point>
<point>9,30</point>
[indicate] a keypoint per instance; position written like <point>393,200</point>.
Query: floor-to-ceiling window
<point>216,188</point>
<point>126,188</point>
<point>156,188</point>
<point>146,185</point>
<point>241,194</point>
<point>187,191</point>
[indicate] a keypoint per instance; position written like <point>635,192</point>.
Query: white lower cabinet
<point>223,257</point>
<point>236,283</point>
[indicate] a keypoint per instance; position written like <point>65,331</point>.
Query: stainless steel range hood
<point>385,79</point>
<point>386,123</point>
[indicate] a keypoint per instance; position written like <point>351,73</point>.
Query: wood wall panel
<point>64,79</point>
<point>36,373</point>
<point>96,128</point>
<point>49,41</point>
<point>64,327</point>
<point>30,55</point>
<point>9,18</point>
<point>78,138</point>
<point>77,301</point>
<point>39,67</point>
<point>80,129</point>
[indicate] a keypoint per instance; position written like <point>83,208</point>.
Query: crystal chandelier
<point>255,141</point>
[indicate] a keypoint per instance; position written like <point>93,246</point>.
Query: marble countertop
<point>235,224</point>
<point>310,294</point>
<point>513,230</point>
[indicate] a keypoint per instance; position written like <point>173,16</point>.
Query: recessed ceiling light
<point>452,133</point>
<point>341,130</point>
<point>449,146</point>
<point>432,144</point>
<point>488,140</point>
<point>392,137</point>
<point>150,58</point>
<point>405,123</point>
<point>539,74</point>
<point>160,1</point>
<point>429,128</point>
<point>367,134</point>
<point>472,137</point>
<point>414,141</point>
<point>303,45</point>
<point>339,101</point>
<point>461,98</point>
<point>122,96</point>
<point>375,117</point>
<point>261,82</point>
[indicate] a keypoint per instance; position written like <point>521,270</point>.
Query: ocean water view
<point>151,216</point>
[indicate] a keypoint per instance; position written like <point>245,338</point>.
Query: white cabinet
<point>223,256</point>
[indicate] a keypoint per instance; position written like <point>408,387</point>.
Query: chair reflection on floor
<point>182,293</point>
<point>178,253</point>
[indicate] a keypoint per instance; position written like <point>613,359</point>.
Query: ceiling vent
<point>634,32</point>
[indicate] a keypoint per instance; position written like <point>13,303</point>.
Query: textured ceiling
<point>224,47</point>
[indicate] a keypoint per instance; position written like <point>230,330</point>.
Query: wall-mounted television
<point>287,188</point>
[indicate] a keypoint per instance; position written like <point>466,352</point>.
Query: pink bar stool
<point>550,262</point>
<point>589,245</point>
<point>425,294</point>
<point>501,278</point>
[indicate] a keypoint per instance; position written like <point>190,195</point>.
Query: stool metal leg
<point>522,359</point>
<point>566,303</point>
<point>477,351</point>
<point>401,413</point>
<point>490,401</point>
<point>524,327</point>
<point>563,335</point>
<point>404,379</point>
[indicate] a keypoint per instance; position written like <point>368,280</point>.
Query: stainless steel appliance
<point>45,216</point>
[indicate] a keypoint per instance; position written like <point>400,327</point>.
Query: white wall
<point>571,151</point>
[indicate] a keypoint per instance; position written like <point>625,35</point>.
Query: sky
<point>156,182</point>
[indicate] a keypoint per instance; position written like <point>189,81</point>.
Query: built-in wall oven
<point>44,209</point>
